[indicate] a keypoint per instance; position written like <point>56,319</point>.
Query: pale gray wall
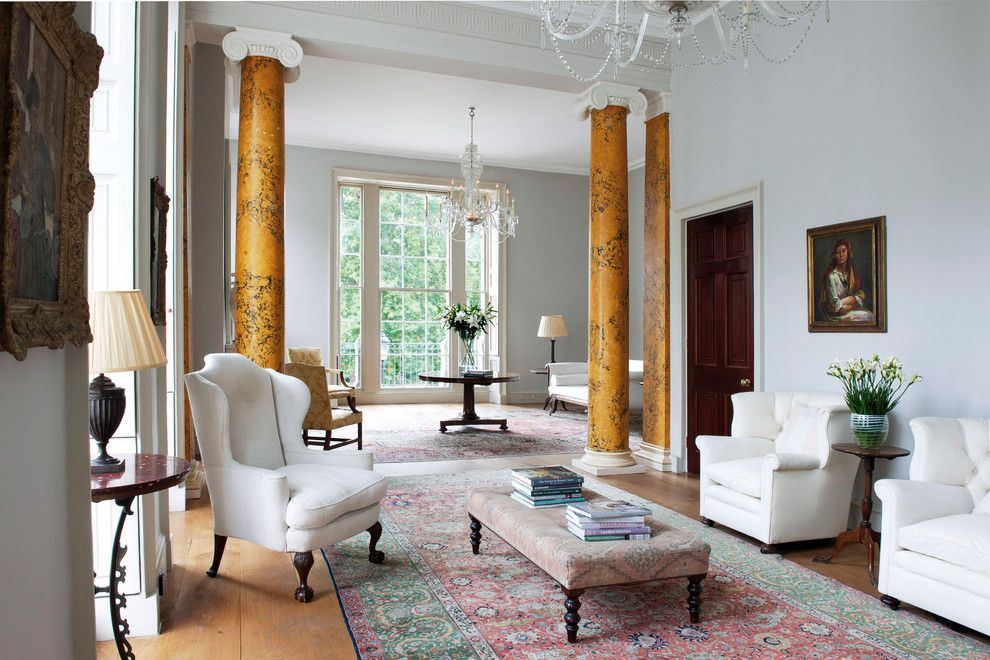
<point>206,202</point>
<point>45,551</point>
<point>862,123</point>
<point>546,260</point>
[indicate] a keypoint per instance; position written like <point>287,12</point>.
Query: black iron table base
<point>117,575</point>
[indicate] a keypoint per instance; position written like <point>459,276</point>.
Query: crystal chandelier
<point>619,29</point>
<point>473,208</point>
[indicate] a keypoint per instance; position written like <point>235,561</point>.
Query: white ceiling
<point>356,106</point>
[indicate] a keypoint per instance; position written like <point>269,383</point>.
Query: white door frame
<point>679,217</point>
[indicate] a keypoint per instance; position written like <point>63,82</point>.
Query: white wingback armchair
<point>265,485</point>
<point>777,478</point>
<point>935,549</point>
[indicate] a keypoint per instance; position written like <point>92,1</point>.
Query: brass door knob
<point>745,382</point>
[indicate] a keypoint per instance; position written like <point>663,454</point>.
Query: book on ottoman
<point>546,486</point>
<point>607,520</point>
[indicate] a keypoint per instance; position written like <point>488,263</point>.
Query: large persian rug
<point>434,599</point>
<point>411,433</point>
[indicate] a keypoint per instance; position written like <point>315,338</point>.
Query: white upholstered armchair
<point>265,485</point>
<point>935,548</point>
<point>777,478</point>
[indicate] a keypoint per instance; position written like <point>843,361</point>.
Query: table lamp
<point>124,339</point>
<point>552,326</point>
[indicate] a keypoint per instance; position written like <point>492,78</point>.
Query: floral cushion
<point>311,356</point>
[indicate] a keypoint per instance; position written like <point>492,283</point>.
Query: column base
<point>653,457</point>
<point>608,463</point>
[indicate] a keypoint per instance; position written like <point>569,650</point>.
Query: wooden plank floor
<point>248,610</point>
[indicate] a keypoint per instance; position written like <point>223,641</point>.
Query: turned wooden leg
<point>360,435</point>
<point>694,597</point>
<point>572,618</point>
<point>375,556</point>
<point>475,535</point>
<point>303,561</point>
<point>707,521</point>
<point>770,549</point>
<point>219,543</point>
<point>890,602</point>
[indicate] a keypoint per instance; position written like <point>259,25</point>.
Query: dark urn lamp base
<point>106,408</point>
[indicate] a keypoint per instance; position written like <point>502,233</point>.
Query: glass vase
<point>870,430</point>
<point>467,360</point>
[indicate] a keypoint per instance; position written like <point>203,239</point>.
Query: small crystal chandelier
<point>471,207</point>
<point>621,27</point>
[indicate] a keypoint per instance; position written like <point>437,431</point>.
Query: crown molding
<point>603,94</point>
<point>249,42</point>
<point>441,37</point>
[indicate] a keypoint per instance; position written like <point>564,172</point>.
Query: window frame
<point>371,183</point>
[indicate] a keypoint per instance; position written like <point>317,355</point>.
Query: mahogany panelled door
<point>719,321</point>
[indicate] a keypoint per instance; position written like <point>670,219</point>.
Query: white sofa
<point>935,552</point>
<point>265,485</point>
<point>777,478</point>
<point>568,383</point>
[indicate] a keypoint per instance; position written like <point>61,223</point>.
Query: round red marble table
<point>143,474</point>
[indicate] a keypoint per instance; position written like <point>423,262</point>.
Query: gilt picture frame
<point>847,276</point>
<point>159,258</point>
<point>49,70</point>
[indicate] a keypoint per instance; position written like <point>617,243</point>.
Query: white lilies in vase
<point>872,387</point>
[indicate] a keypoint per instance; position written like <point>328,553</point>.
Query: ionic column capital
<point>248,42</point>
<point>603,94</point>
<point>657,104</point>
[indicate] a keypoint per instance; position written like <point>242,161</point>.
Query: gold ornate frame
<point>159,259</point>
<point>25,323</point>
<point>878,264</point>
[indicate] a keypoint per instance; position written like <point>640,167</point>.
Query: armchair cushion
<point>742,475</point>
<point>962,540</point>
<point>568,379</point>
<point>800,432</point>
<point>318,496</point>
<point>306,355</point>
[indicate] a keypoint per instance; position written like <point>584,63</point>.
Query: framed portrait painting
<point>159,259</point>
<point>49,68</point>
<point>847,280</point>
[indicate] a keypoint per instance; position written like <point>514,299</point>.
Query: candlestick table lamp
<point>124,339</point>
<point>552,327</point>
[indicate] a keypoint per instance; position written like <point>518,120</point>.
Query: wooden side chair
<point>326,385</point>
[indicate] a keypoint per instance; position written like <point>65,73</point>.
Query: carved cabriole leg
<point>707,521</point>
<point>219,543</point>
<point>572,618</point>
<point>770,549</point>
<point>303,561</point>
<point>694,597</point>
<point>475,535</point>
<point>890,602</point>
<point>375,556</point>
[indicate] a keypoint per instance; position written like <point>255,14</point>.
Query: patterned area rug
<point>411,433</point>
<point>434,599</point>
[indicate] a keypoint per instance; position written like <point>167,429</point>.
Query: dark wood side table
<point>143,474</point>
<point>468,416</point>
<point>865,533</point>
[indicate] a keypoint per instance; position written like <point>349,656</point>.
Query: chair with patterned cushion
<point>935,552</point>
<point>336,383</point>
<point>777,477</point>
<point>265,486</point>
<point>322,416</point>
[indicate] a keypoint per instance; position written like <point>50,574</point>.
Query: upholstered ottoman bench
<point>541,536</point>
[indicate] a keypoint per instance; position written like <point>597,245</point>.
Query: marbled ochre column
<point>259,297</point>
<point>655,448</point>
<point>608,288</point>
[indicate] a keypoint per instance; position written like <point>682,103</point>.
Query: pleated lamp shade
<point>124,339</point>
<point>552,326</point>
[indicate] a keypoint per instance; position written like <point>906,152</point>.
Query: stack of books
<point>543,487</point>
<point>608,520</point>
<point>478,373</point>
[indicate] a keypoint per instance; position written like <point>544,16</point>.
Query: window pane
<point>391,240</point>
<point>414,306</point>
<point>413,273</point>
<point>414,242</point>
<point>350,204</point>
<point>472,276</point>
<point>391,306</point>
<point>413,208</point>
<point>390,206</point>
<point>350,305</point>
<point>350,270</point>
<point>390,272</point>
<point>436,244</point>
<point>436,274</point>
